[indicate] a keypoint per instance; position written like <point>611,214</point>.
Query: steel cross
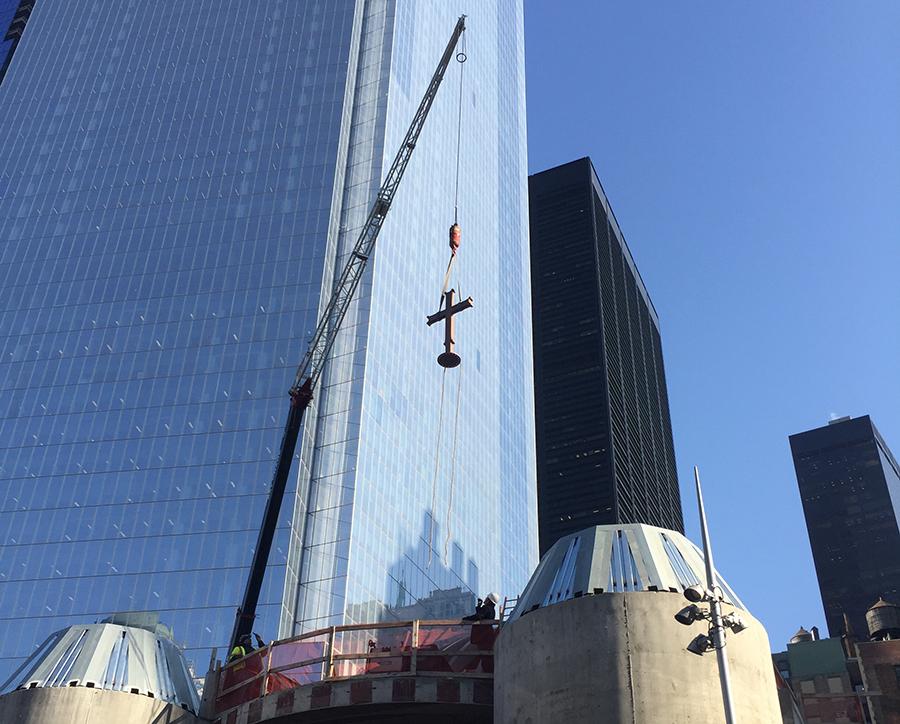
<point>449,358</point>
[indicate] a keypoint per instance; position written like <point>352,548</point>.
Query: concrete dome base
<point>80,705</point>
<point>621,657</point>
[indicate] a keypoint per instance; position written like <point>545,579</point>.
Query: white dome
<point>616,559</point>
<point>140,660</point>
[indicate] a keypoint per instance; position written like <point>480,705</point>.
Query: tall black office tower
<point>14,15</point>
<point>604,437</point>
<point>850,486</point>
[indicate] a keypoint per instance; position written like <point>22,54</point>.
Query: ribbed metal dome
<point>616,559</point>
<point>138,659</point>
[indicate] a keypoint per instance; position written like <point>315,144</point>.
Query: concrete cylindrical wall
<point>621,657</point>
<point>81,705</point>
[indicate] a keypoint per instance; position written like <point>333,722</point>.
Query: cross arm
<point>466,303</point>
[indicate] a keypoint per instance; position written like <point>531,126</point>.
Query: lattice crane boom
<point>320,346</point>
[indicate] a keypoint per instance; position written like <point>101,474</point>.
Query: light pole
<point>714,594</point>
<point>714,639</point>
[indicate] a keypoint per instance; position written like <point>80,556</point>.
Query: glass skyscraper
<point>604,435</point>
<point>850,487</point>
<point>178,188</point>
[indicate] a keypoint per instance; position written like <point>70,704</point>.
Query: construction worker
<point>485,610</point>
<point>489,607</point>
<point>245,647</point>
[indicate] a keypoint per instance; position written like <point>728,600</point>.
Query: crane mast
<point>310,368</point>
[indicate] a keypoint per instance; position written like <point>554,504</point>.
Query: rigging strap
<point>446,283</point>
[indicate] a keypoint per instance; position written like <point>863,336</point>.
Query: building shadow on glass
<point>432,580</point>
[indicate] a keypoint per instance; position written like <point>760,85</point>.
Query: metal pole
<point>718,628</point>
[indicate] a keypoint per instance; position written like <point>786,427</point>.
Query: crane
<point>310,368</point>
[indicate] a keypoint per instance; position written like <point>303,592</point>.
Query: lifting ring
<point>461,57</point>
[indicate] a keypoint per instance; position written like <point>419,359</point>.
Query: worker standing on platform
<point>485,610</point>
<point>245,647</point>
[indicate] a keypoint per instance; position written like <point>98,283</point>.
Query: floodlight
<point>700,645</point>
<point>695,594</point>
<point>734,622</point>
<point>689,614</point>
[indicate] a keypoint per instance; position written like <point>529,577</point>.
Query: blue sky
<point>751,152</point>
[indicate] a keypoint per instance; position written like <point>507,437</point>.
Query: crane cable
<point>461,58</point>
<point>453,465</point>
<point>437,466</point>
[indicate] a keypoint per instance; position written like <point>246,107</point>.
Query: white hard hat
<point>495,597</point>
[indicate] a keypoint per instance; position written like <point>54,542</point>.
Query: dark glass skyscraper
<point>604,436</point>
<point>14,15</point>
<point>850,487</point>
<point>179,184</point>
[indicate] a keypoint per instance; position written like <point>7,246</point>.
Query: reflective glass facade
<point>604,436</point>
<point>174,204</point>
<point>382,530</point>
<point>850,487</point>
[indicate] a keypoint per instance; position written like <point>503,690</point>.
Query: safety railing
<point>417,648</point>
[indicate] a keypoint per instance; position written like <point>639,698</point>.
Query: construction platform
<point>437,671</point>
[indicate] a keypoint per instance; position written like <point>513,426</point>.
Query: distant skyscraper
<point>179,184</point>
<point>604,437</point>
<point>14,15</point>
<point>850,487</point>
